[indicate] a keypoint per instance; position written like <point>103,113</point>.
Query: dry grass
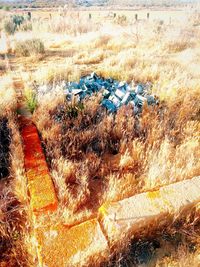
<point>29,47</point>
<point>70,22</point>
<point>129,155</point>
<point>175,246</point>
<point>55,74</point>
<point>96,157</point>
<point>16,247</point>
<point>15,223</point>
<point>7,95</point>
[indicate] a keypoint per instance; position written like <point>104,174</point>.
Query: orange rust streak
<point>40,185</point>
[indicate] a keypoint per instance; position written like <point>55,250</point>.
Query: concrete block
<point>147,210</point>
<point>81,245</point>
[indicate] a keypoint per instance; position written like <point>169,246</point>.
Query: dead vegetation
<point>177,245</point>
<point>4,148</point>
<point>94,156</point>
<point>15,223</point>
<point>29,47</point>
<point>100,156</point>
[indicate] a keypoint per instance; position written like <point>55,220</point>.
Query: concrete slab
<point>81,245</point>
<point>143,212</point>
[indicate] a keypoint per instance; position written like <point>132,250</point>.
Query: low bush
<point>9,27</point>
<point>17,22</point>
<point>31,99</point>
<point>26,26</point>
<point>121,20</point>
<point>29,47</point>
<point>6,8</point>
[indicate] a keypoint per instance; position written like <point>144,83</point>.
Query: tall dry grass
<point>15,222</point>
<point>19,189</point>
<point>97,157</point>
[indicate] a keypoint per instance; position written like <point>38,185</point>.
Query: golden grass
<point>7,95</point>
<point>96,157</point>
<point>162,147</point>
<point>120,155</point>
<point>15,218</point>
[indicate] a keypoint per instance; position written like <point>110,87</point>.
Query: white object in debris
<point>125,98</point>
<point>119,93</point>
<point>143,99</point>
<point>76,91</point>
<point>121,84</point>
<point>43,89</point>
<point>135,107</point>
<point>115,100</point>
<point>129,88</point>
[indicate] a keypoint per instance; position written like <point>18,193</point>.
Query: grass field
<point>97,157</point>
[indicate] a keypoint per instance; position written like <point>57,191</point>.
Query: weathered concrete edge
<point>119,222</point>
<point>40,185</point>
<point>80,245</point>
<point>145,212</point>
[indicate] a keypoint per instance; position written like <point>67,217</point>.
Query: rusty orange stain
<point>40,185</point>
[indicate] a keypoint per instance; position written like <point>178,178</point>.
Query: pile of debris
<point>115,93</point>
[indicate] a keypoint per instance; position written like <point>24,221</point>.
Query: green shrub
<point>15,22</point>
<point>18,20</point>
<point>29,47</point>
<point>6,8</point>
<point>31,99</point>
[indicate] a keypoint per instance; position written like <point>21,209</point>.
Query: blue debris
<point>139,89</point>
<point>109,105</point>
<point>114,93</point>
<point>151,100</point>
